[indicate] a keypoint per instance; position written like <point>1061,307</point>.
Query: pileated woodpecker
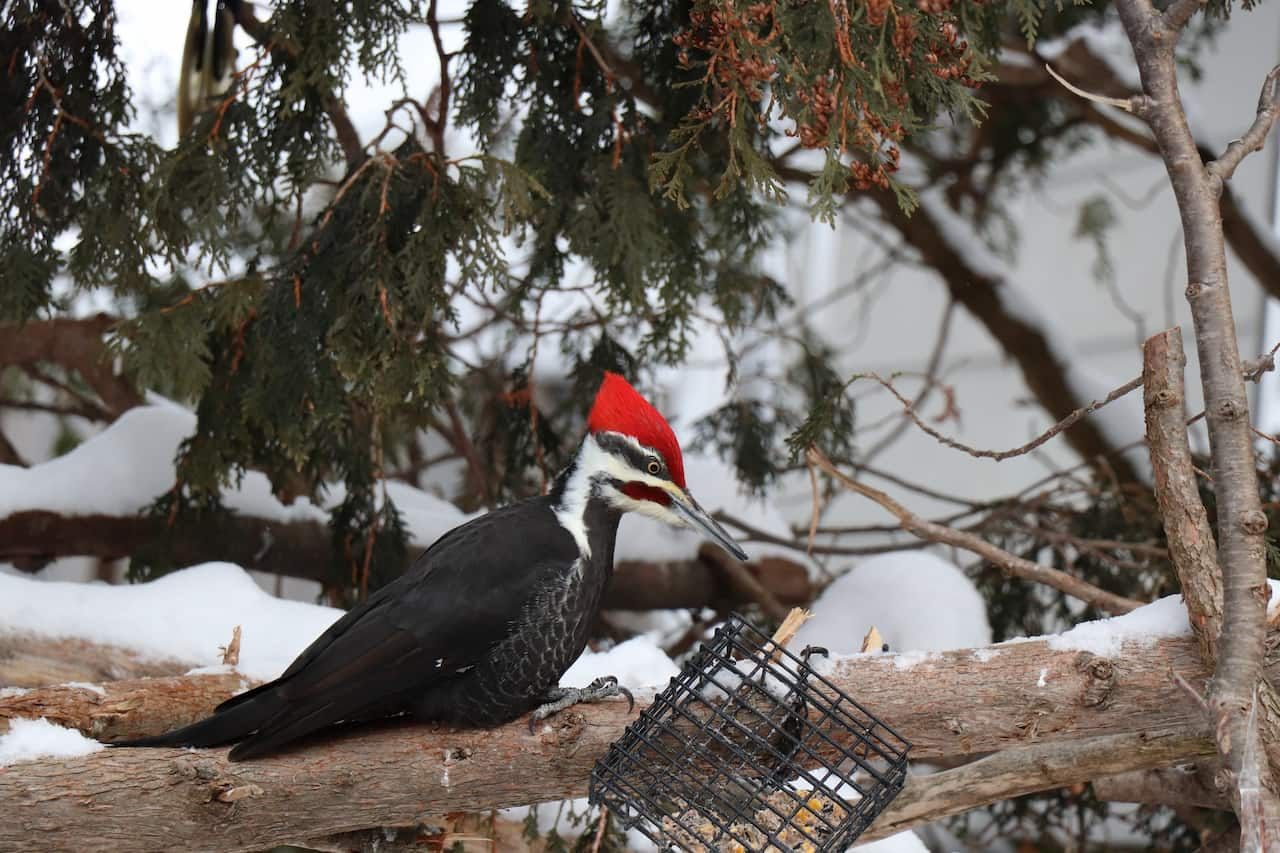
<point>480,628</point>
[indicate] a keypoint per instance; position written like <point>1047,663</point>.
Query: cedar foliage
<point>304,295</point>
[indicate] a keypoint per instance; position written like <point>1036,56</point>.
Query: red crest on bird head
<point>620,408</point>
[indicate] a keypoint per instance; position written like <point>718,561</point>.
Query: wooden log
<point>961,703</point>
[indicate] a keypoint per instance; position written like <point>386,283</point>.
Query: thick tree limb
<point>1010,563</point>
<point>1241,522</point>
<point>1192,547</point>
<point>1184,785</point>
<point>302,549</point>
<point>1009,696</point>
<point>1015,772</point>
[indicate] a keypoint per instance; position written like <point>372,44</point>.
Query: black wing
<point>444,614</point>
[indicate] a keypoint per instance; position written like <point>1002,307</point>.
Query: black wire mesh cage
<point>749,749</point>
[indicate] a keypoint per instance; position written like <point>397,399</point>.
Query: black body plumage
<point>476,632</point>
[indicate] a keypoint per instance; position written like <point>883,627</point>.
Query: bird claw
<point>559,698</point>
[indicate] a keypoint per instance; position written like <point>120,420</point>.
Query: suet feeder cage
<point>749,750</point>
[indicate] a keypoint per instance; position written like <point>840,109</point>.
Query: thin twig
<point>1010,563</point>
<point>1000,455</point>
<point>1118,103</point>
<point>1256,136</point>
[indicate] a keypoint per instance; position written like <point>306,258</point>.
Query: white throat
<point>571,512</point>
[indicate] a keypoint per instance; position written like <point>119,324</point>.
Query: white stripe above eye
<point>595,463</point>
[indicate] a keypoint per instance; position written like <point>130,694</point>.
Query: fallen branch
<point>75,345</point>
<point>952,704</point>
<point>1010,563</point>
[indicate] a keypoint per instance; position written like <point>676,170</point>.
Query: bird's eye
<point>655,467</point>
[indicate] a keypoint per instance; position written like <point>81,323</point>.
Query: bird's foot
<point>559,698</point>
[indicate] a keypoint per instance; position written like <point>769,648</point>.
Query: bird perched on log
<point>480,628</point>
<point>208,59</point>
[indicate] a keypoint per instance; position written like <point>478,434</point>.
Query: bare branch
<point>1191,542</point>
<point>999,455</point>
<point>1241,521</point>
<point>1256,136</point>
<point>1119,103</point>
<point>1179,12</point>
<point>1010,563</point>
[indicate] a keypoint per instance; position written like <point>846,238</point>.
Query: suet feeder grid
<point>749,750</point>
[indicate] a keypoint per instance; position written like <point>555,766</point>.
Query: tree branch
<point>74,345</point>
<point>1010,563</point>
<point>1014,696</point>
<point>302,549</point>
<point>1241,521</point>
<point>1015,772</point>
<point>1192,548</point>
<point>1256,136</point>
<point>1184,785</point>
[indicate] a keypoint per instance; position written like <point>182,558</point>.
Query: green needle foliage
<point>315,296</point>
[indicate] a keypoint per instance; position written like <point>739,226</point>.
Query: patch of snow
<point>10,692</point>
<point>903,842</point>
<point>1041,681</point>
<point>212,669</point>
<point>126,466</point>
<point>918,602</point>
<point>84,685</point>
<point>909,660</point>
<point>28,740</point>
<point>984,655</point>
<point>185,615</point>
<point>1166,617</point>
<point>638,662</point>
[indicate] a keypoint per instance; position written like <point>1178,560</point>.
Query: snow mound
<point>185,615</point>
<point>638,662</point>
<point>918,601</point>
<point>125,467</point>
<point>28,740</point>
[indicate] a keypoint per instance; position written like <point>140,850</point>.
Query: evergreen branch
<point>343,128</point>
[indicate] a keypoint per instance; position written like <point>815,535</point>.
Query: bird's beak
<point>683,504</point>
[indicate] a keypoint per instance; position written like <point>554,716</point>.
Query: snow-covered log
<point>1106,679</point>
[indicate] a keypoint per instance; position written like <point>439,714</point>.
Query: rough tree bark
<point>1192,548</point>
<point>1197,188</point>
<point>954,704</point>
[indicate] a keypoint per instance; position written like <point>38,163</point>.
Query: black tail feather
<point>224,726</point>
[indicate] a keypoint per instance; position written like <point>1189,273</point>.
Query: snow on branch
<point>1039,699</point>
